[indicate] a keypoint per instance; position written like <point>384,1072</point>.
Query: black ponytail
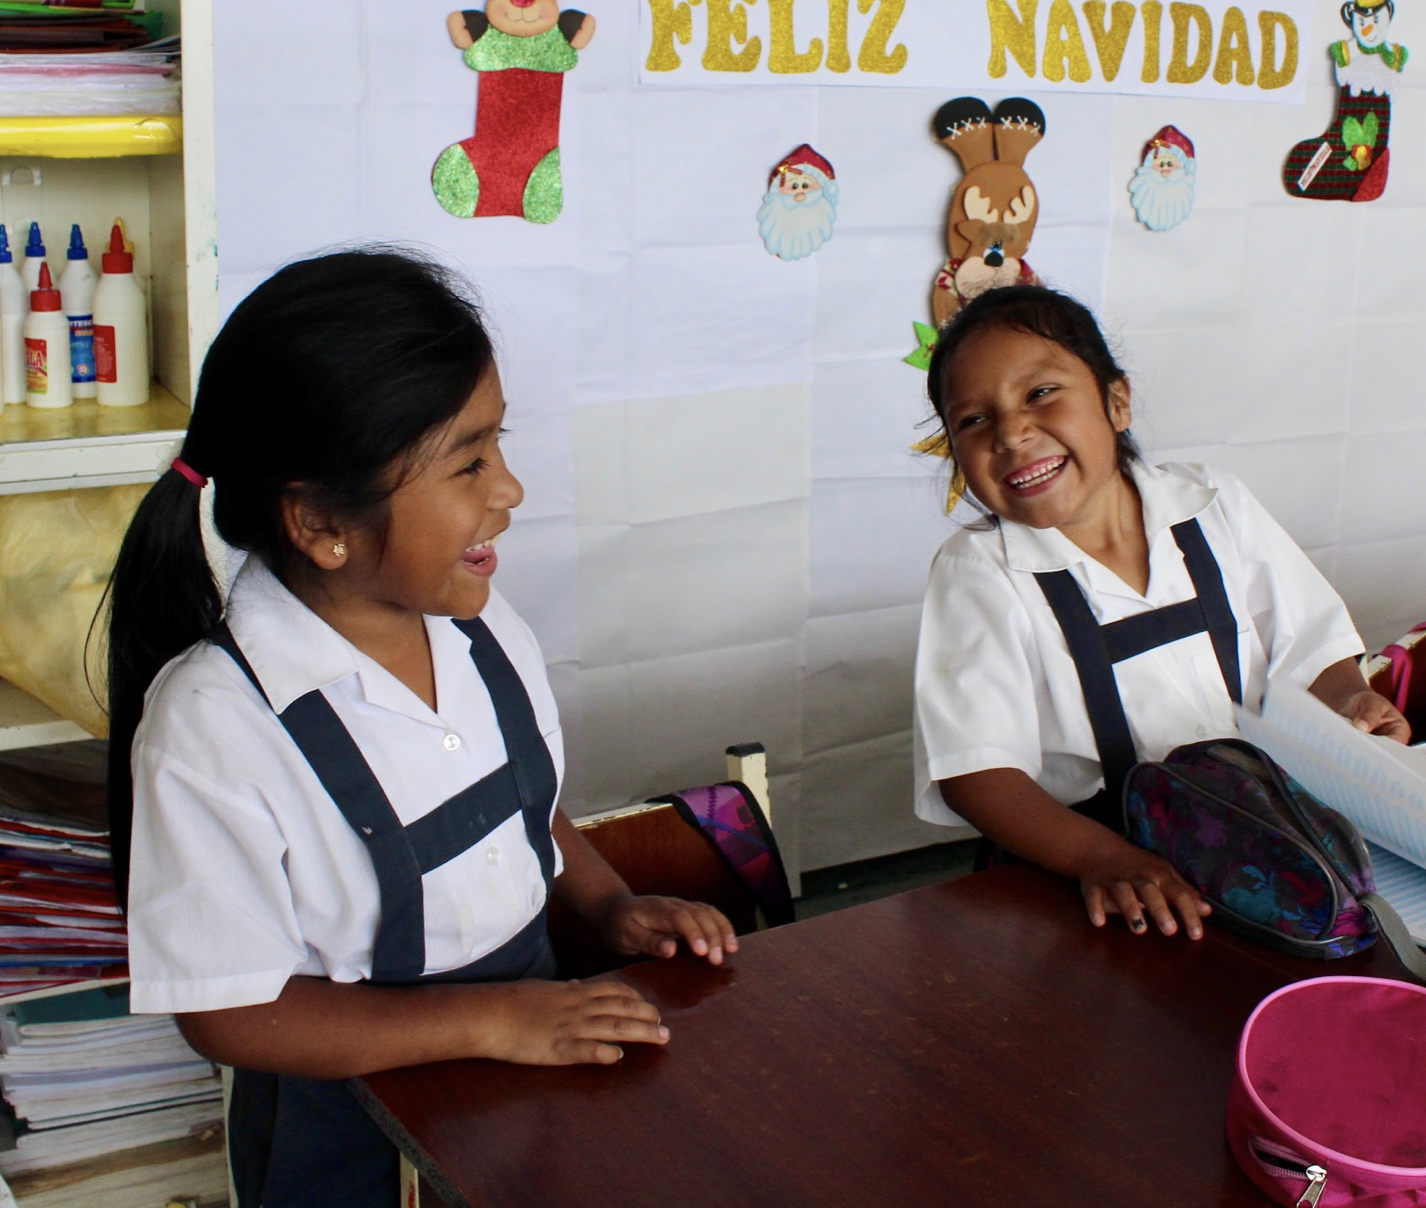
<point>162,598</point>
<point>324,382</point>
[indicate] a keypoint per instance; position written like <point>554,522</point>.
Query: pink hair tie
<point>189,472</point>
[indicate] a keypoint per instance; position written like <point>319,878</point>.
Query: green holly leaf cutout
<point>1350,163</point>
<point>1352,133</point>
<point>1370,129</point>
<point>926,344</point>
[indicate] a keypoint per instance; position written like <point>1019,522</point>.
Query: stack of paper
<point>1377,784</point>
<point>100,83</point>
<point>84,1078</point>
<point>60,921</point>
<point>76,26</point>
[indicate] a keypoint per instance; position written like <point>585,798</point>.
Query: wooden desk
<point>971,1045</point>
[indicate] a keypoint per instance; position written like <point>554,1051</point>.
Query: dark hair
<point>324,379</point>
<point>1038,311</point>
<point>1349,8</point>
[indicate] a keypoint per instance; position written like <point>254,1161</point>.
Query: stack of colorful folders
<point>59,915</point>
<point>76,25</point>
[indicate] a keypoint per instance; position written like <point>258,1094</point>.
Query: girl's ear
<point>313,532</point>
<point>1120,413</point>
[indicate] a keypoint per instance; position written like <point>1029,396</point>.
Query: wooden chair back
<point>657,852</point>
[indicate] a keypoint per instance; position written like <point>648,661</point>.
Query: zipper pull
<point>1316,1184</point>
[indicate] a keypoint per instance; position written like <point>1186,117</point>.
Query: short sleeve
<point>211,919</point>
<point>976,706</point>
<point>1300,619</point>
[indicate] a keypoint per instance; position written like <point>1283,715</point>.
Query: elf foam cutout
<point>800,206</point>
<point>1162,188</point>
<point>511,165</point>
<point>1349,161</point>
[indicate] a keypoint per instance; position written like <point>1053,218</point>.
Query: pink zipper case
<point>1328,1105</point>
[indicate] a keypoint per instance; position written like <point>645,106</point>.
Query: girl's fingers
<point>1158,908</point>
<point>1129,906</point>
<point>1094,904</point>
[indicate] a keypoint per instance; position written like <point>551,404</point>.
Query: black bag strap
<point>1390,927</point>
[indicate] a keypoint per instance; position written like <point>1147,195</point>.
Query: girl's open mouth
<point>1028,480</point>
<point>481,558</point>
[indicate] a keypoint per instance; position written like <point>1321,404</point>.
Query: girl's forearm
<point>1336,686</point>
<point>588,885</point>
<point>1006,806</point>
<point>322,1029</point>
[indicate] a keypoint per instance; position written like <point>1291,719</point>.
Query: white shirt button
<point>492,855</point>
<point>451,742</point>
<point>1202,731</point>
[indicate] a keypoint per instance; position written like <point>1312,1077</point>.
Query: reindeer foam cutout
<point>995,206</point>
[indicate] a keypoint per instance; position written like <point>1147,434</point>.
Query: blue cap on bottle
<point>77,250</point>
<point>6,255</point>
<point>36,245</point>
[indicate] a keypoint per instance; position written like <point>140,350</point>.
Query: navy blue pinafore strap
<point>1095,649</point>
<point>297,1141</point>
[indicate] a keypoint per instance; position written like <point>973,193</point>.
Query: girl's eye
<point>968,421</point>
<point>476,466</point>
<point>1040,392</point>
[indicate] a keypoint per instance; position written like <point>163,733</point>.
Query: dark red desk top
<point>974,1045</point>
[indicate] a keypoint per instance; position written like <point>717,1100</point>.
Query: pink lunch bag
<point>1328,1105</point>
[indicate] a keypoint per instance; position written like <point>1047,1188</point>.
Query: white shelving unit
<point>159,173</point>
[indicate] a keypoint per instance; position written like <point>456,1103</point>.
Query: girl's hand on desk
<point>568,1023</point>
<point>1131,882</point>
<point>654,925</point>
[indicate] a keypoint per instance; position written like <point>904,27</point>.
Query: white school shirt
<point>244,871</point>
<point>995,684</point>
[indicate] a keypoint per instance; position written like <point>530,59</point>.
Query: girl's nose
<point>508,492</point>
<point>1011,431</point>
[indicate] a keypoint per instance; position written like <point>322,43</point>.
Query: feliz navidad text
<point>1173,48</point>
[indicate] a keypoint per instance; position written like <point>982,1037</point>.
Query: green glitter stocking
<point>455,183</point>
<point>544,191</point>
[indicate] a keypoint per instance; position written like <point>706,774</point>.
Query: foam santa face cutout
<point>1162,188</point>
<point>511,164</point>
<point>799,208</point>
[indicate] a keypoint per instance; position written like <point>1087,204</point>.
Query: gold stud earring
<point>340,549</point>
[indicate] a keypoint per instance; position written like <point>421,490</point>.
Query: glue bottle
<point>121,341</point>
<point>47,371</point>
<point>14,306</point>
<point>34,259</point>
<point>76,292</point>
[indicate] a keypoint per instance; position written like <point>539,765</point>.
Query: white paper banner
<point>1214,49</point>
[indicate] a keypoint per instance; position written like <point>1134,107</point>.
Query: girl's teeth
<point>1038,476</point>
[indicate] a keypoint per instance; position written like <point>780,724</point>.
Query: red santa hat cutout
<point>799,208</point>
<point>1162,188</point>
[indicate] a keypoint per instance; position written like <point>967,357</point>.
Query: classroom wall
<point>725,536</point>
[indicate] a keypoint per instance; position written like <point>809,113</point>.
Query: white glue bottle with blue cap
<point>14,306</point>
<point>76,291</point>
<point>34,259</point>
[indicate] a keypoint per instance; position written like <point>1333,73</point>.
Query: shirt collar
<point>290,648</point>
<point>1168,499</point>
